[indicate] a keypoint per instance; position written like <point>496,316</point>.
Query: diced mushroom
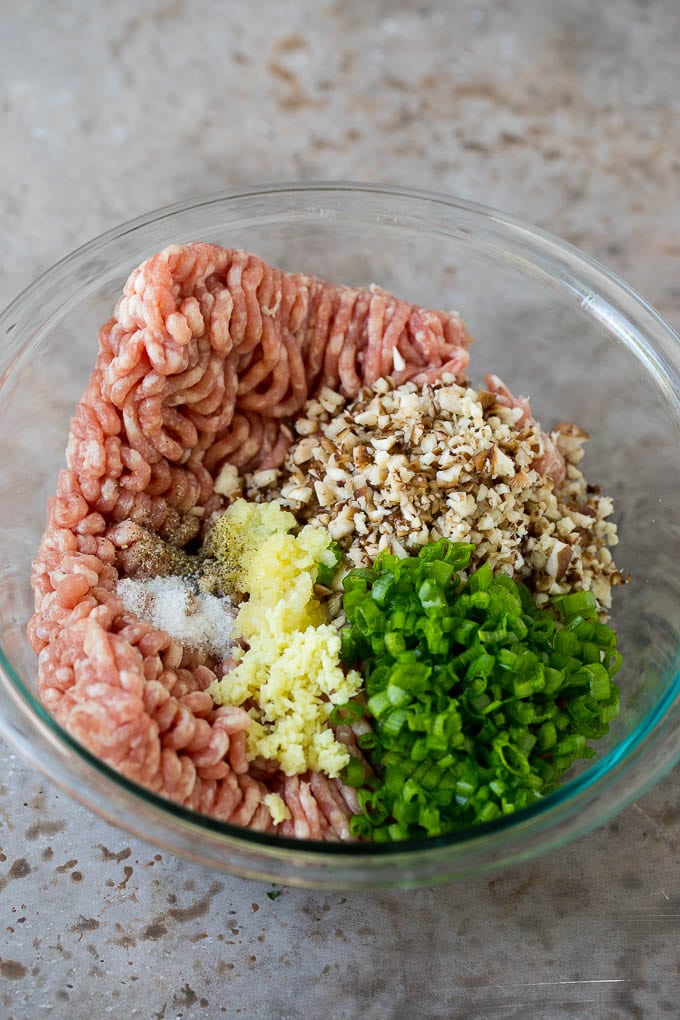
<point>559,559</point>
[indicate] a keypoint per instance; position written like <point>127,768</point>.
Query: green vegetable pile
<point>479,701</point>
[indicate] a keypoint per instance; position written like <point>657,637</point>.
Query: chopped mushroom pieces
<point>400,467</point>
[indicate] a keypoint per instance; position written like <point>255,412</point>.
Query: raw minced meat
<point>208,356</point>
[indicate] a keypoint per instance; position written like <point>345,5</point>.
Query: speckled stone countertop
<point>567,114</point>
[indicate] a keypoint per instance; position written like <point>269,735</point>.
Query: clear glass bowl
<point>554,324</point>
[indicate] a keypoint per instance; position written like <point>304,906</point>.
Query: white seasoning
<point>199,621</point>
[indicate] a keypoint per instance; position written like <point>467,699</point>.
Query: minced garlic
<point>290,675</point>
<point>237,535</point>
<point>278,808</point>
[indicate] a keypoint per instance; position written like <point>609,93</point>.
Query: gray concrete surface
<point>567,114</point>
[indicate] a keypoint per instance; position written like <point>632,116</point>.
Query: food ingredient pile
<point>300,576</point>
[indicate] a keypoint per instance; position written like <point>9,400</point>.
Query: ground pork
<point>209,356</point>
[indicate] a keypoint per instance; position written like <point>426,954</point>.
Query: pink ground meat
<point>209,354</point>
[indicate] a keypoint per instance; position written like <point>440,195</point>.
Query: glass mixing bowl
<point>554,324</point>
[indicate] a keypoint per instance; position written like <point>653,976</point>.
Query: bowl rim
<point>601,283</point>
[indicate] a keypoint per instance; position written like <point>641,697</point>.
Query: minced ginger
<point>290,673</point>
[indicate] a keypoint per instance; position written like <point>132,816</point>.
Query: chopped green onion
<point>478,699</point>
<point>354,773</point>
<point>348,713</point>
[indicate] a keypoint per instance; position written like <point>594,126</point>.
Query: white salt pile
<point>200,621</point>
